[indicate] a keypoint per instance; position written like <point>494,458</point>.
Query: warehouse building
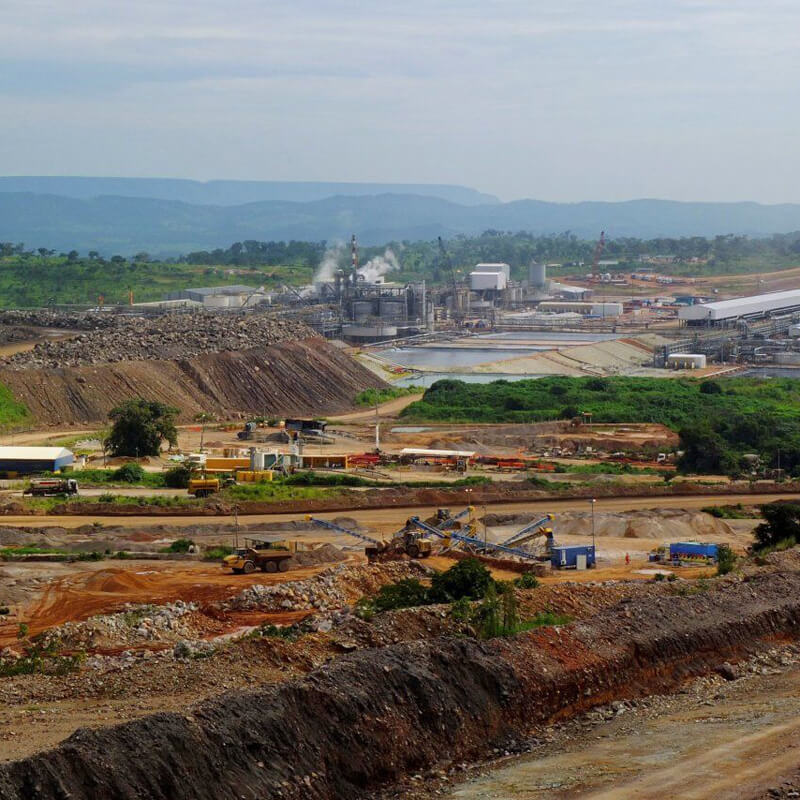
<point>30,460</point>
<point>724,312</point>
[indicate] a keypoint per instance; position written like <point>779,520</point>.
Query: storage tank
<point>257,459</point>
<point>362,310</point>
<point>537,275</point>
<point>393,309</point>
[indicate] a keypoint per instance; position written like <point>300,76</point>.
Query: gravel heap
<point>169,337</point>
<point>332,589</point>
<point>57,319</point>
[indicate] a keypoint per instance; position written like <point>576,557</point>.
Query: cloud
<point>560,99</point>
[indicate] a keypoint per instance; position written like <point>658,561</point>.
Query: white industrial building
<point>686,361</point>
<point>722,311</point>
<point>489,276</point>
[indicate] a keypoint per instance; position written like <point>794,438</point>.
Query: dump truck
<point>259,554</point>
<point>203,487</point>
<point>50,487</point>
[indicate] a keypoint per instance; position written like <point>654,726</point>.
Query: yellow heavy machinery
<point>259,554</point>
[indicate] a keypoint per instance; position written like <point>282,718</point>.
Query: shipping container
<point>692,551</point>
<point>573,557</point>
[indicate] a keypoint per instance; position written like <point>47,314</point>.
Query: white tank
<point>537,275</point>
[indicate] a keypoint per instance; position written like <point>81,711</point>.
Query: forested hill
<point>232,193</point>
<point>125,225</point>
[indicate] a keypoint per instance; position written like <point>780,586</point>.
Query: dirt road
<point>731,743</point>
<point>385,520</point>
<point>390,409</point>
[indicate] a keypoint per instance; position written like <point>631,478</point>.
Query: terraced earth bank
<point>304,377</point>
<point>373,717</point>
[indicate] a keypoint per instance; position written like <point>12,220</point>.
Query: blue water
<point>444,357</point>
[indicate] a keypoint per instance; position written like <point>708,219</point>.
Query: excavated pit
<point>372,717</point>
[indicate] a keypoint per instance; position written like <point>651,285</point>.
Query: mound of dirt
<point>658,523</point>
<point>303,378</point>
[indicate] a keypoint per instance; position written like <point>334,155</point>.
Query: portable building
<point>686,361</point>
<point>29,460</point>
<point>572,556</point>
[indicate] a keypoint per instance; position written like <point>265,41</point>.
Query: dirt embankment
<point>305,377</point>
<point>409,497</point>
<point>373,717</point>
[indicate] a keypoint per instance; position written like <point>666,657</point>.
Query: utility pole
<point>593,501</point>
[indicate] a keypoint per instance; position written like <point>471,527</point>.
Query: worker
<point>627,559</point>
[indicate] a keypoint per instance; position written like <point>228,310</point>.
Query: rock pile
<point>57,319</point>
<point>171,337</point>
<point>137,624</point>
<point>332,589</point>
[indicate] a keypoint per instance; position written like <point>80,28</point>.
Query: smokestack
<point>354,257</point>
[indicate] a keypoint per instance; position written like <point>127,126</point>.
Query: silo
<point>393,310</point>
<point>537,275</point>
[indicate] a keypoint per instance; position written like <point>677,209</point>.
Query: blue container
<point>692,551</point>
<point>567,557</point>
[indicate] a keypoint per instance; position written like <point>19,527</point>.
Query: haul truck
<point>259,554</point>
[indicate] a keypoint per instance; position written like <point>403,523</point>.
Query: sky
<point>560,100</point>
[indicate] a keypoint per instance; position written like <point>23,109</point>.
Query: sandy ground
<point>730,746</point>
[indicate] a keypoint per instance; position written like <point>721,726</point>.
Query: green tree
<point>139,426</point>
<point>782,523</point>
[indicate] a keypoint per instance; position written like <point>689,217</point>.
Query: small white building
<point>686,361</point>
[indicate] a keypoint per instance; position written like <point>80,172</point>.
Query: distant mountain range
<point>124,221</point>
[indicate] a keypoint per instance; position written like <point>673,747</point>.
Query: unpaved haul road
<point>386,520</point>
<point>732,746</point>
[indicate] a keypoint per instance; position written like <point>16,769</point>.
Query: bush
<point>468,579</point>
<point>461,610</point>
<point>177,477</point>
<point>407,593</point>
<point>526,581</point>
<point>217,552</point>
<point>710,387</point>
<point>726,559</point>
<point>128,473</point>
<point>179,546</point>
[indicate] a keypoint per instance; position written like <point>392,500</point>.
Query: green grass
<point>543,619</point>
<point>607,468</point>
<point>30,550</point>
<point>13,414</point>
<point>105,477</point>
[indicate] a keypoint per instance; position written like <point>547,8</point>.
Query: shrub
<point>468,578</point>
<point>782,523</point>
<point>461,610</point>
<point>129,473</point>
<point>403,594</point>
<point>710,387</point>
<point>179,546</point>
<point>217,552</point>
<point>526,581</point>
<point>726,559</point>
<point>177,477</point>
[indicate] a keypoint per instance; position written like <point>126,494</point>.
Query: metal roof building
<point>27,460</point>
<point>754,306</point>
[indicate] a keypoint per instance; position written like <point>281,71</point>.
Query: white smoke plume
<point>379,266</point>
<point>329,264</point>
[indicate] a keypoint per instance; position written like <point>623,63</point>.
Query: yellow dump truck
<point>258,554</point>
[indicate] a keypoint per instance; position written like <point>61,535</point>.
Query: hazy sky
<point>552,99</point>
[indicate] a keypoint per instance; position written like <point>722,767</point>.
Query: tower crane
<point>457,313</point>
<point>598,251</point>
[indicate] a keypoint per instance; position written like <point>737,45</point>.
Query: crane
<point>457,314</point>
<point>598,251</point>
<point>530,531</point>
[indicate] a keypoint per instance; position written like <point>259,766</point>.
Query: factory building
<point>725,312</point>
<point>237,296</point>
<point>30,460</point>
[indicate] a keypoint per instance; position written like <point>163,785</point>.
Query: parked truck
<point>51,487</point>
<point>203,487</point>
